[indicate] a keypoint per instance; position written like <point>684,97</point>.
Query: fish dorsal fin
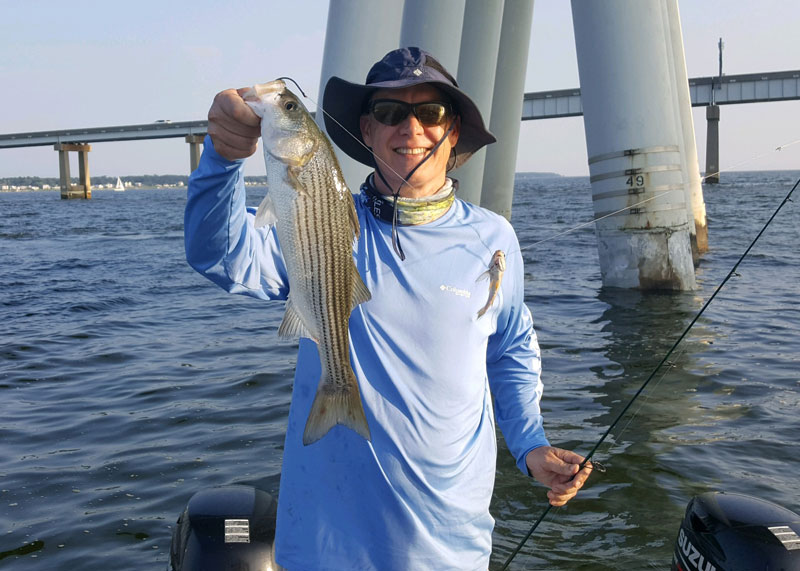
<point>292,325</point>
<point>265,215</point>
<point>360,290</point>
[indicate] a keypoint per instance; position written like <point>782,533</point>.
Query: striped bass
<point>316,221</point>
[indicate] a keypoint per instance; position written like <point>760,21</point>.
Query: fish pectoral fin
<point>265,215</point>
<point>293,176</point>
<point>484,276</point>
<point>292,325</point>
<point>293,151</point>
<point>334,406</point>
<point>361,292</point>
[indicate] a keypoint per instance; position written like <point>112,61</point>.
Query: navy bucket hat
<point>404,67</point>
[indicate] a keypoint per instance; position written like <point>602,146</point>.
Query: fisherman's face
<point>399,148</point>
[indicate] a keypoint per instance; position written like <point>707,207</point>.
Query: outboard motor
<point>230,528</point>
<point>734,532</point>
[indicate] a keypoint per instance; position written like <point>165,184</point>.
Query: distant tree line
<point>147,180</point>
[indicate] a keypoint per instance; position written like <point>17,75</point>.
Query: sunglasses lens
<point>390,112</point>
<point>431,114</point>
<point>393,112</point>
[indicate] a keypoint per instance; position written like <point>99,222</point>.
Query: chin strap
<point>395,237</point>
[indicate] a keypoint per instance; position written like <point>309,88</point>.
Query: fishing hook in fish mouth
<point>297,85</point>
<point>359,141</point>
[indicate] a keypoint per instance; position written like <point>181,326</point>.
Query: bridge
<point>77,140</point>
<point>704,91</point>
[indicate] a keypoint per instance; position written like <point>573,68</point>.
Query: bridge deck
<point>161,130</point>
<point>749,88</point>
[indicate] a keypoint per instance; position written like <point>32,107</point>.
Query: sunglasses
<point>392,112</point>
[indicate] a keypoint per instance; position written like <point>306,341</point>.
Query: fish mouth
<point>277,86</point>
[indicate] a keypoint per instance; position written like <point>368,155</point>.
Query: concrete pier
<point>509,87</point>
<point>195,150</point>
<point>84,188</point>
<point>480,42</point>
<point>423,23</point>
<point>358,34</point>
<point>634,146</point>
<point>691,168</point>
<point>712,144</point>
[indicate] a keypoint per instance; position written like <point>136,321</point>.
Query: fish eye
<point>290,105</point>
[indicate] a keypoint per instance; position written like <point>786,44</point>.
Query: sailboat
<point>119,187</point>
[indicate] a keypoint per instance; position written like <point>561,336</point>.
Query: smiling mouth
<point>411,151</point>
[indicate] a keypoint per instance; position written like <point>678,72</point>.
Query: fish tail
<point>334,406</point>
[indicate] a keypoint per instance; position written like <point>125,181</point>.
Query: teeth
<point>407,151</point>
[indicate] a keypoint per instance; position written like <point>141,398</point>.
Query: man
<point>416,496</point>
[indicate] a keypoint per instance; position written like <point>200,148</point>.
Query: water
<point>128,382</point>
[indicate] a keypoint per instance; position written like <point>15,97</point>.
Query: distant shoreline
<point>152,182</point>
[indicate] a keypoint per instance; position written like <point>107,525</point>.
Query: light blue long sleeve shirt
<point>417,495</point>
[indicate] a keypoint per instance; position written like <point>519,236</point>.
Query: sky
<point>94,63</point>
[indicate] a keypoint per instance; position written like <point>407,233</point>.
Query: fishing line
<point>579,226</point>
<point>644,385</point>
<point>670,365</point>
<point>404,180</point>
<point>778,148</point>
<point>727,169</point>
<point>357,140</point>
<point>732,272</point>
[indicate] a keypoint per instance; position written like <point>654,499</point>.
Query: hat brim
<point>343,102</point>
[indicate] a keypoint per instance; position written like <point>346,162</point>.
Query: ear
<point>366,129</point>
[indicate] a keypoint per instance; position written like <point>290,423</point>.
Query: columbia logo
<point>455,290</point>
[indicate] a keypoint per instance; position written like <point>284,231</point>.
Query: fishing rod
<point>732,272</point>
<point>644,385</point>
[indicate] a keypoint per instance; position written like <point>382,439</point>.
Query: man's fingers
<point>568,456</point>
<point>233,126</point>
<point>230,110</point>
<point>233,153</point>
<point>232,140</point>
<point>557,499</point>
<point>559,466</point>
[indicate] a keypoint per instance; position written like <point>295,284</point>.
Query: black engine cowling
<point>734,532</point>
<point>230,528</point>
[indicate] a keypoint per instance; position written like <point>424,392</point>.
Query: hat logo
<point>417,72</point>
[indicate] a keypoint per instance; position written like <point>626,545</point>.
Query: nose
<point>411,125</point>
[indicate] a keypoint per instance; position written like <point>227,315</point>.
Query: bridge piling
<point>195,150</point>
<point>712,144</point>
<point>84,188</point>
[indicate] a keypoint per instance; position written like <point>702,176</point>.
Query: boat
<point>233,527</point>
<point>119,186</point>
